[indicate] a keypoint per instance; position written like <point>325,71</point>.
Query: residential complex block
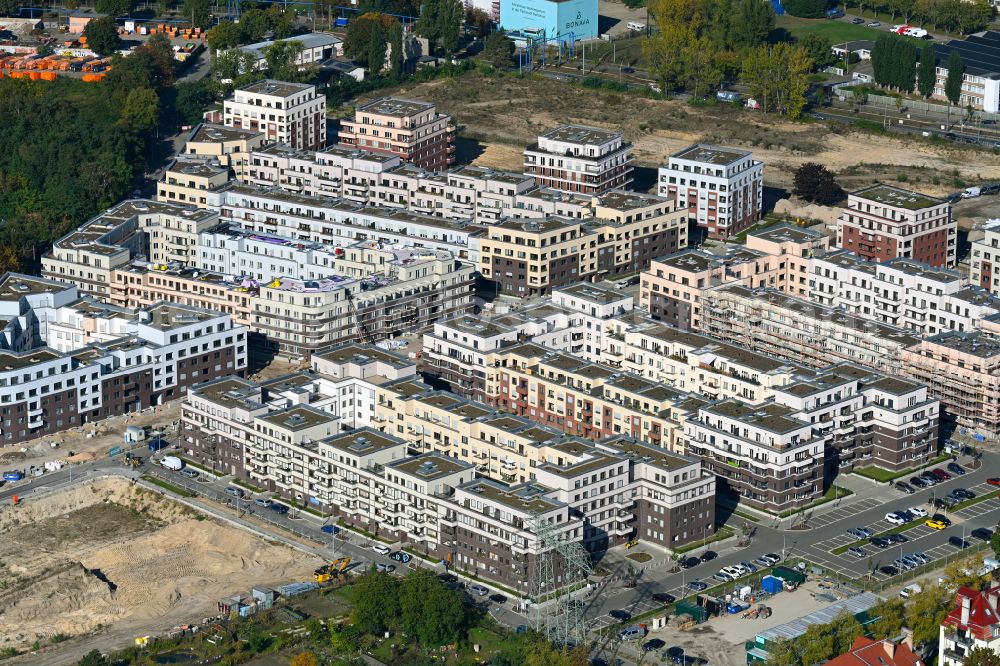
<point>984,261</point>
<point>579,159</point>
<point>883,222</point>
<point>292,113</point>
<point>722,189</point>
<point>411,130</point>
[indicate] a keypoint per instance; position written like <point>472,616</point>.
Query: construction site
<point>113,560</point>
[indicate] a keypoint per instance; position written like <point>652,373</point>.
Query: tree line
<point>895,66</point>
<point>958,16</point>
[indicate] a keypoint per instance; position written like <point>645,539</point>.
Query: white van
<point>635,26</point>
<point>972,192</point>
<point>172,463</point>
<point>910,590</point>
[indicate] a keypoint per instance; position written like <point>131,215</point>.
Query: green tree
<point>818,48</point>
<point>193,97</point>
<point>431,613</point>
<point>114,7</point>
<point>199,12</point>
<point>891,617</point>
<point>995,541</point>
<point>953,84</point>
<point>982,656</point>
<point>928,71</point>
<point>805,8</point>
<point>925,613</point>
<point>441,23</point>
<point>142,109</point>
<point>394,36</point>
<point>376,601</point>
<point>281,22</point>
<point>479,23</point>
<point>498,49</point>
<point>102,35</point>
<point>280,57</point>
<point>93,658</point>
<point>358,41</point>
<point>234,68</point>
<point>225,35</point>
<point>782,653</point>
<point>753,23</point>
<point>253,25</point>
<point>814,182</point>
<point>776,76</point>
<point>376,50</point>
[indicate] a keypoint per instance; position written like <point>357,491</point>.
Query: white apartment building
<point>900,292</point>
<point>579,159</point>
<point>721,188</point>
<point>984,264</point>
<point>973,623</point>
<point>292,113</point>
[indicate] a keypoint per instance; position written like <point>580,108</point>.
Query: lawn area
<point>832,493</point>
<point>723,532</point>
<point>837,31</point>
<point>885,475</point>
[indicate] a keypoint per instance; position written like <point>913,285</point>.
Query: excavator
<point>335,569</point>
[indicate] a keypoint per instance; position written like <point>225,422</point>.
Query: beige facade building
<point>579,159</point>
<point>412,130</point>
<point>292,113</point>
<point>229,145</point>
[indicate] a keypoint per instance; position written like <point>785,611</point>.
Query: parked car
<point>944,519</point>
<point>278,508</point>
<point>897,538</point>
<point>889,570</point>
<point>697,585</point>
<point>880,542</point>
<point>386,568</point>
<point>874,24</point>
<point>329,529</point>
<point>917,512</point>
<point>930,477</point>
<point>918,482</point>
<point>857,20</point>
<point>772,558</point>
<point>935,524</point>
<point>963,493</point>
<point>941,474</point>
<point>261,501</point>
<point>633,633</point>
<point>478,590</point>
<point>955,468</point>
<point>664,598</point>
<point>688,562</point>
<point>234,491</point>
<point>856,533</point>
<point>621,615</point>
<point>982,534</point>
<point>749,566</point>
<point>894,518</point>
<point>914,562</point>
<point>857,552</point>
<point>958,542</point>
<point>901,564</point>
<point>189,473</point>
<point>709,555</point>
<point>381,549</point>
<point>993,480</point>
<point>653,644</point>
<point>498,598</point>
<point>923,559</point>
<point>904,487</point>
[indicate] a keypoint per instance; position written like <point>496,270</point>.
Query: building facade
<point>722,189</point>
<point>972,623</point>
<point>984,264</point>
<point>412,130</point>
<point>579,159</point>
<point>292,113</point>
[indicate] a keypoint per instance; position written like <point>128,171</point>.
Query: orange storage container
<point>83,40</point>
<point>49,76</point>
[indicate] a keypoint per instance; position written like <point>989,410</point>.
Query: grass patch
<point>974,500</point>
<point>836,30</point>
<point>177,490</point>
<point>870,126</point>
<point>746,516</point>
<point>723,532</point>
<point>832,493</point>
<point>885,475</point>
<point>639,557</point>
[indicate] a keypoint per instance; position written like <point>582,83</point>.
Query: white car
<point>381,549</point>
<point>479,590</point>
<point>740,569</point>
<point>917,512</point>
<point>894,519</point>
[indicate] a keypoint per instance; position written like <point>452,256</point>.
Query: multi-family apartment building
<point>883,222</point>
<point>292,113</point>
<point>231,146</point>
<point>973,623</point>
<point>579,159</point>
<point>195,181</point>
<point>422,479</point>
<point>901,292</point>
<point>984,261</point>
<point>67,360</point>
<point>722,189</point>
<point>777,257</point>
<point>412,130</point>
<point>530,257</point>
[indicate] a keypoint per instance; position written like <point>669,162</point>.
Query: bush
<point>806,8</point>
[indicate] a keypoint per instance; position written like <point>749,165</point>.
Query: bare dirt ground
<point>116,559</point>
<point>506,113</point>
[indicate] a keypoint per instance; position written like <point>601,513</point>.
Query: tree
<point>114,7</point>
<point>818,49</point>
<point>304,659</point>
<point>964,573</point>
<point>479,22</point>
<point>776,76</point>
<point>441,23</point>
<point>360,31</point>
<point>806,8</point>
<point>925,613</point>
<point>9,261</point>
<point>982,656</point>
<point>225,35</point>
<point>93,658</point>
<point>498,49</point>
<point>281,56</point>
<point>394,37</point>
<point>953,84</point>
<point>782,653</point>
<point>995,541</point>
<point>928,71</point>
<point>102,35</point>
<point>142,109</point>
<point>891,616</point>
<point>814,182</point>
<point>754,21</point>
<point>376,601</point>
<point>253,25</point>
<point>376,50</point>
<point>199,12</point>
<point>281,22</point>
<point>430,612</point>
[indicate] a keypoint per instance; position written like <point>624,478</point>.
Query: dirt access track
<point>117,561</point>
<point>505,113</point>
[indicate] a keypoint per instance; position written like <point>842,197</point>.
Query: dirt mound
<point>112,554</point>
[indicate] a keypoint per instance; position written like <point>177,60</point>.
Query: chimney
<point>906,637</point>
<point>966,607</point>
<point>890,648</point>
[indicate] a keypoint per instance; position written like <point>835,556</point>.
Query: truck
<point>172,463</point>
<point>972,192</point>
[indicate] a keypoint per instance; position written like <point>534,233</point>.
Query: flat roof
<point>363,442</point>
<point>527,498</point>
<point>276,88</point>
<point>298,417</point>
<point>709,154</point>
<point>397,107</point>
<point>980,53</point>
<point>695,261</point>
<point>551,223</point>
<point>359,354</point>
<point>582,134</point>
<point>895,385</point>
<point>973,343</point>
<point>653,455</point>
<point>768,416</point>
<point>211,133</point>
<point>602,293</point>
<point>166,316</point>
<point>11,360</point>
<point>624,200</point>
<point>430,466</point>
<point>15,285</point>
<point>203,167</point>
<point>891,195</point>
<point>787,233</point>
<point>227,391</point>
<point>311,40</point>
<point>475,326</point>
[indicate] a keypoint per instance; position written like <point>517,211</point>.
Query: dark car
<point>628,70</point>
<point>941,518</point>
<point>919,482</point>
<point>897,538</point>
<point>621,615</point>
<point>329,529</point>
<point>698,586</point>
<point>857,20</point>
<point>955,468</point>
<point>664,598</point>
<point>498,598</point>
<point>941,474</point>
<point>880,542</point>
<point>931,478</point>
<point>278,508</point>
<point>653,644</point>
<point>709,555</point>
<point>688,562</point>
<point>962,493</point>
<point>905,487</point>
<point>982,533</point>
<point>889,570</point>
<point>958,542</point>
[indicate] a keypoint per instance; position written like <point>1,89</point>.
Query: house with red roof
<point>868,652</point>
<point>973,623</point>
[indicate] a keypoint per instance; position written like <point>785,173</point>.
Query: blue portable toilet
<point>771,585</point>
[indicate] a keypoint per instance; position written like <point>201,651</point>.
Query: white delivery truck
<point>972,192</point>
<point>172,463</point>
